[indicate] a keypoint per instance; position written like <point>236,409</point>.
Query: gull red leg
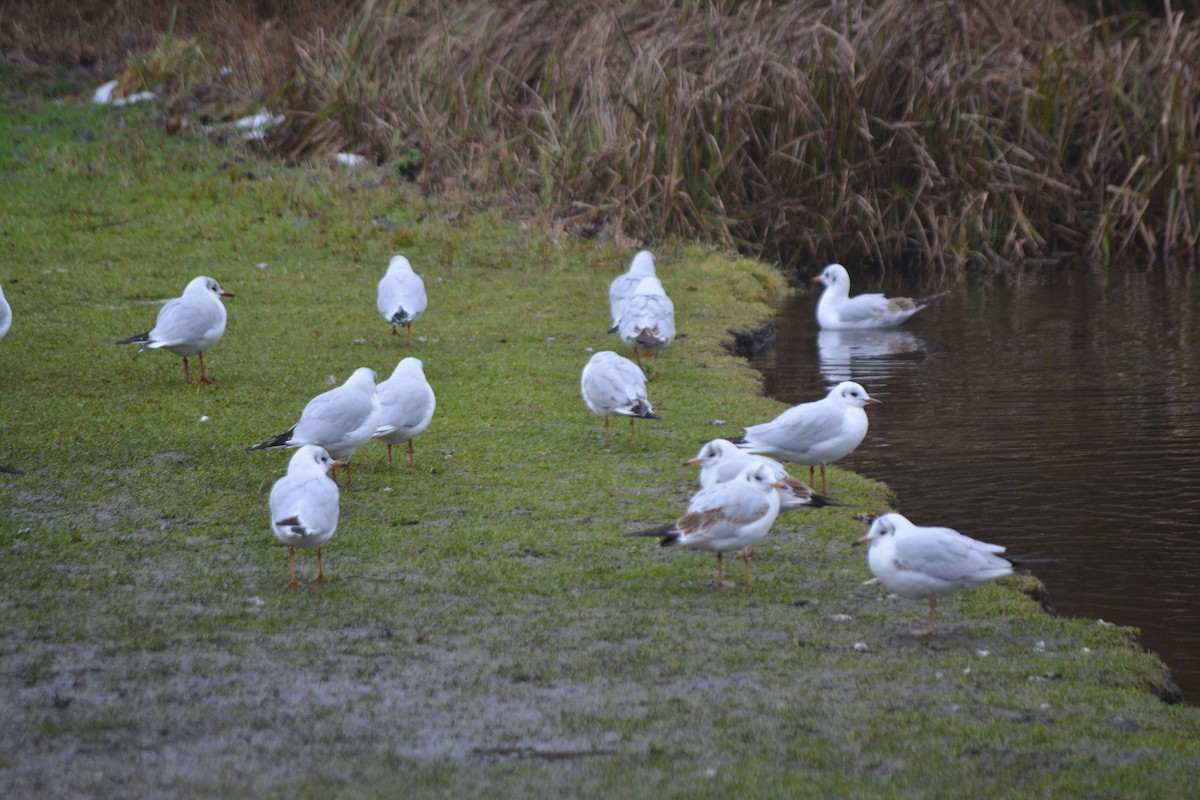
<point>203,376</point>
<point>389,455</point>
<point>187,373</point>
<point>320,568</point>
<point>410,454</point>
<point>293,583</point>
<point>632,431</point>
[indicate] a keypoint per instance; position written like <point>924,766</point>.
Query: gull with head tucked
<point>928,563</point>
<point>613,386</point>
<point>400,296</point>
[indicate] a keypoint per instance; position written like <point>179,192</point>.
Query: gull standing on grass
<point>406,405</point>
<point>340,420</point>
<point>726,517</point>
<point>720,460</point>
<point>626,284</point>
<point>837,310</point>
<point>5,314</point>
<point>816,433</point>
<point>612,385</point>
<point>928,563</point>
<point>304,506</point>
<point>401,296</point>
<point>188,325</point>
<point>648,320</point>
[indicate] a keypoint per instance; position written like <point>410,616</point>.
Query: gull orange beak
<point>778,485</point>
<point>857,542</point>
<point>337,465</point>
<point>226,294</point>
<point>691,462</point>
<point>873,401</point>
<point>817,279</point>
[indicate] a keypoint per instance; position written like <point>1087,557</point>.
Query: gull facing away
<point>918,562</point>
<point>837,310</point>
<point>188,325</point>
<point>647,319</point>
<point>406,405</point>
<point>5,314</point>
<point>340,420</point>
<point>612,385</point>
<point>401,296</point>
<point>626,284</point>
<point>726,517</point>
<point>816,433</point>
<point>720,460</point>
<point>304,506</point>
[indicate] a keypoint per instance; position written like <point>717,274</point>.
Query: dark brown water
<point>1059,415</point>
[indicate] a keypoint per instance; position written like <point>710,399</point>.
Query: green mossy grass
<point>486,629</point>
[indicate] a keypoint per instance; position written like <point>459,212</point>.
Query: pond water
<point>1058,414</point>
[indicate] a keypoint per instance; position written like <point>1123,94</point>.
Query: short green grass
<point>486,629</point>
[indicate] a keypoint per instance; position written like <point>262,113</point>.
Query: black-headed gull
<point>612,385</point>
<point>928,563</point>
<point>188,325</point>
<point>406,405</point>
<point>837,310</point>
<point>340,420</point>
<point>304,506</point>
<point>726,517</point>
<point>401,296</point>
<point>720,460</point>
<point>816,433</point>
<point>5,314</point>
<point>647,319</point>
<point>626,284</point>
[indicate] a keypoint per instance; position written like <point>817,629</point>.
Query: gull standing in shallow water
<point>720,460</point>
<point>340,420</point>
<point>304,506</point>
<point>626,284</point>
<point>816,433</point>
<point>726,517</point>
<point>612,385</point>
<point>928,563</point>
<point>837,310</point>
<point>648,319</point>
<point>401,296</point>
<point>188,325</point>
<point>406,405</point>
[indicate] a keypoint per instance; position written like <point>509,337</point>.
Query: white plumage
<point>5,314</point>
<point>612,385</point>
<point>406,405</point>
<point>340,420</point>
<point>837,310</point>
<point>720,460</point>
<point>928,563</point>
<point>188,325</point>
<point>816,433</point>
<point>726,517</point>
<point>626,284</point>
<point>304,506</point>
<point>401,297</point>
<point>647,319</point>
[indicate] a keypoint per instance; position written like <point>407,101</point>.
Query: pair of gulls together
<point>192,323</point>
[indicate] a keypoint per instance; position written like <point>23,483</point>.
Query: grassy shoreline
<point>486,629</point>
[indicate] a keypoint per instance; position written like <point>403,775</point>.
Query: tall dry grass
<point>938,134</point>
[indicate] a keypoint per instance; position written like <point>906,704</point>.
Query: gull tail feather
<point>282,440</point>
<point>666,533</point>
<point>141,338</point>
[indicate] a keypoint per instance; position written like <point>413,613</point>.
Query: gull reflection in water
<point>862,354</point>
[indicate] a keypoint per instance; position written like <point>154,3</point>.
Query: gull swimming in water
<point>612,385</point>
<point>406,405</point>
<point>928,563</point>
<point>726,517</point>
<point>401,296</point>
<point>188,325</point>
<point>304,506</point>
<point>647,319</point>
<point>837,310</point>
<point>626,284</point>
<point>340,420</point>
<point>816,433</point>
